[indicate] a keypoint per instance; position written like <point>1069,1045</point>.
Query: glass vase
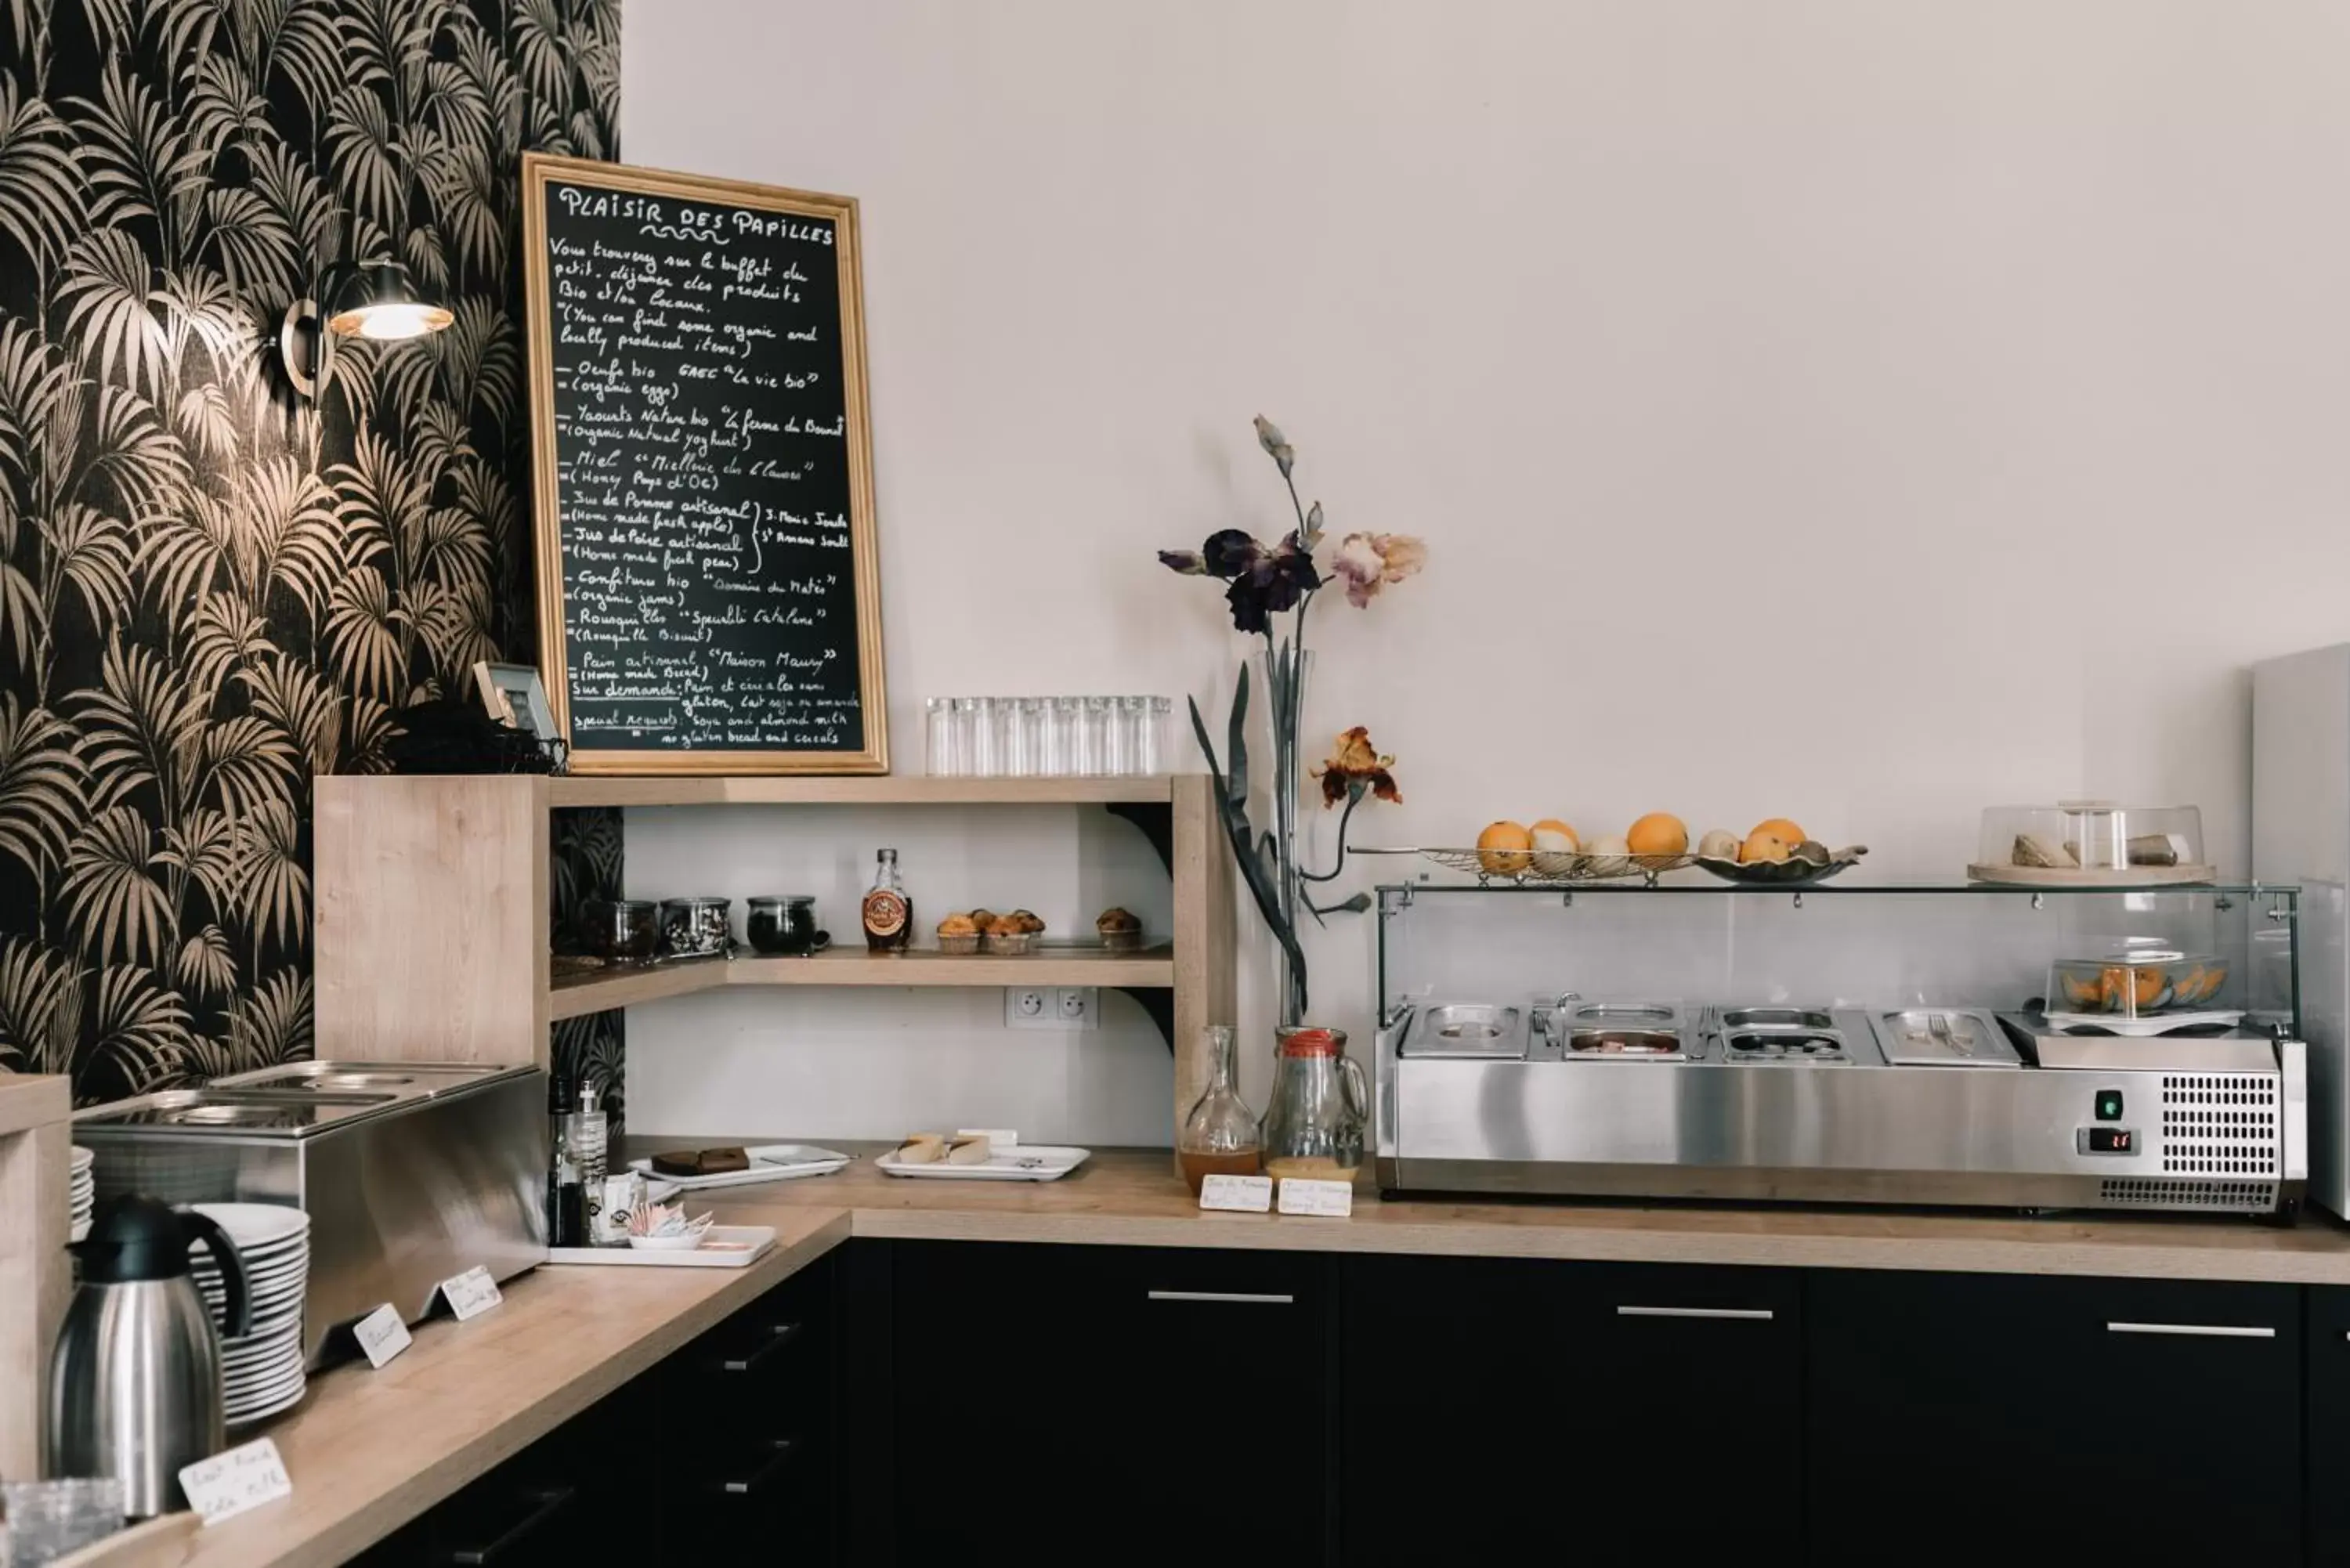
<point>1219,1134</point>
<point>1286,669</point>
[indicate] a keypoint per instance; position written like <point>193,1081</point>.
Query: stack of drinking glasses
<point>1047,737</point>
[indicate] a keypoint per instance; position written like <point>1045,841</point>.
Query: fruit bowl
<point>1544,868</point>
<point>1798,870</point>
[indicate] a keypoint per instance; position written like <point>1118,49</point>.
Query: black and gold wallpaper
<point>210,588</point>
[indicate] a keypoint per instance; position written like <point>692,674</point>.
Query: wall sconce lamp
<point>351,301</point>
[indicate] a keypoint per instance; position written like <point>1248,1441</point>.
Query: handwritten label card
<point>229,1483</point>
<point>1241,1194</point>
<point>1328,1199</point>
<point>470,1293</point>
<point>381,1334</point>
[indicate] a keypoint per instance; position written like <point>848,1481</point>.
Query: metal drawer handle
<point>1241,1296</point>
<point>548,1504</point>
<point>1744,1315</point>
<point>778,1335</point>
<point>757,1479</point>
<point>2195,1329</point>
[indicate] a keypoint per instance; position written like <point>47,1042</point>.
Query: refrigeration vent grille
<point>2150,1192</point>
<point>2218,1124</point>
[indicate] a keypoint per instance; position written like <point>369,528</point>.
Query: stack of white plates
<point>83,1191</point>
<point>261,1371</point>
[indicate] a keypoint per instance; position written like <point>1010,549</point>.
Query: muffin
<point>1028,920</point>
<point>959,934</point>
<point>982,919</point>
<point>1120,931</point>
<point>1009,934</point>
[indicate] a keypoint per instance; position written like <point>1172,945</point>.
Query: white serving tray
<point>758,1240</point>
<point>803,1160</point>
<point>1021,1162</point>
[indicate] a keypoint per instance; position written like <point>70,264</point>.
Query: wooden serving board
<point>2056,877</point>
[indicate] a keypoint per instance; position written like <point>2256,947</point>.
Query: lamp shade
<point>380,302</point>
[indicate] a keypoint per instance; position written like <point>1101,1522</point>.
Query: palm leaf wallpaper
<point>210,588</point>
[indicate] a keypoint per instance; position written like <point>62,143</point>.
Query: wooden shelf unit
<point>434,931</point>
<point>594,991</point>
<point>36,1278</point>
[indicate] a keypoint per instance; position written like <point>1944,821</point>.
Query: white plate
<point>1022,1162</point>
<point>257,1225</point>
<point>756,1239</point>
<point>804,1159</point>
<point>246,1358</point>
<point>82,1156</point>
<point>253,1396</point>
<point>291,1399</point>
<point>260,1391</point>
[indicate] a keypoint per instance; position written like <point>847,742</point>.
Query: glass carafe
<point>1219,1136</point>
<point>1314,1126</point>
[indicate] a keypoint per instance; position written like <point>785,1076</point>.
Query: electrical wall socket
<point>1072,1008</point>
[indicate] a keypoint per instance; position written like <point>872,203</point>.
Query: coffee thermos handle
<point>238,1317</point>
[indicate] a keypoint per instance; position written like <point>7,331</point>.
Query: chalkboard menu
<point>708,598</point>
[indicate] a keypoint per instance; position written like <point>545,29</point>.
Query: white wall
<point>1855,410</point>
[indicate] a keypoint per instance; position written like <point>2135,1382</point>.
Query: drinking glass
<point>1120,741</point>
<point>985,750</point>
<point>1024,737</point>
<point>1062,723</point>
<point>1093,736</point>
<point>1156,742</point>
<point>966,736</point>
<point>47,1519</point>
<point>938,731</point>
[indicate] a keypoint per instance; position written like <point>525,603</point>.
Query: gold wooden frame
<point>537,170</point>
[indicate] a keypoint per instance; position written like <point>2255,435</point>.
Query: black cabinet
<point>1615,1410</point>
<point>1978,1417</point>
<point>724,1453</point>
<point>2327,1391</point>
<point>1049,1397</point>
<point>747,1462</point>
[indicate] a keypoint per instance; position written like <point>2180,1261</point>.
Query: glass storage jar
<point>696,927</point>
<point>620,930</point>
<point>784,924</point>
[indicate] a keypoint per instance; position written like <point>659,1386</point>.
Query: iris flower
<point>1354,764</point>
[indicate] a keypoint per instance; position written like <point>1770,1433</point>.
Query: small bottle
<point>585,1137</point>
<point>889,913</point>
<point>566,1216</point>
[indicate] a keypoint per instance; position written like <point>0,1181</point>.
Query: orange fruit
<point>1762,845</point>
<point>1780,827</point>
<point>1659,833</point>
<point>1501,849</point>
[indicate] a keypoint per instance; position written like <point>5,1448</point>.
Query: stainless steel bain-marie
<point>412,1172</point>
<point>1629,1095</point>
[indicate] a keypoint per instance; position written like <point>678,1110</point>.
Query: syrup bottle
<point>889,913</point>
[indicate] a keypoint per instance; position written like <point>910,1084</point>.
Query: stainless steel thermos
<point>135,1379</point>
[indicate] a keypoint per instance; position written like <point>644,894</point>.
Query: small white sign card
<point>1243,1194</point>
<point>470,1293</point>
<point>1329,1199</point>
<point>229,1483</point>
<point>381,1334</point>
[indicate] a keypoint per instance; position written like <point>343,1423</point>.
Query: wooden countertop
<point>369,1450</point>
<point>1132,1198</point>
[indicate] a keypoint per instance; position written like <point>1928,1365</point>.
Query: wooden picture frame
<point>541,169</point>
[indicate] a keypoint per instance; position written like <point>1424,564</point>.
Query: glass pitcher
<point>1220,1135</point>
<point>1313,1125</point>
